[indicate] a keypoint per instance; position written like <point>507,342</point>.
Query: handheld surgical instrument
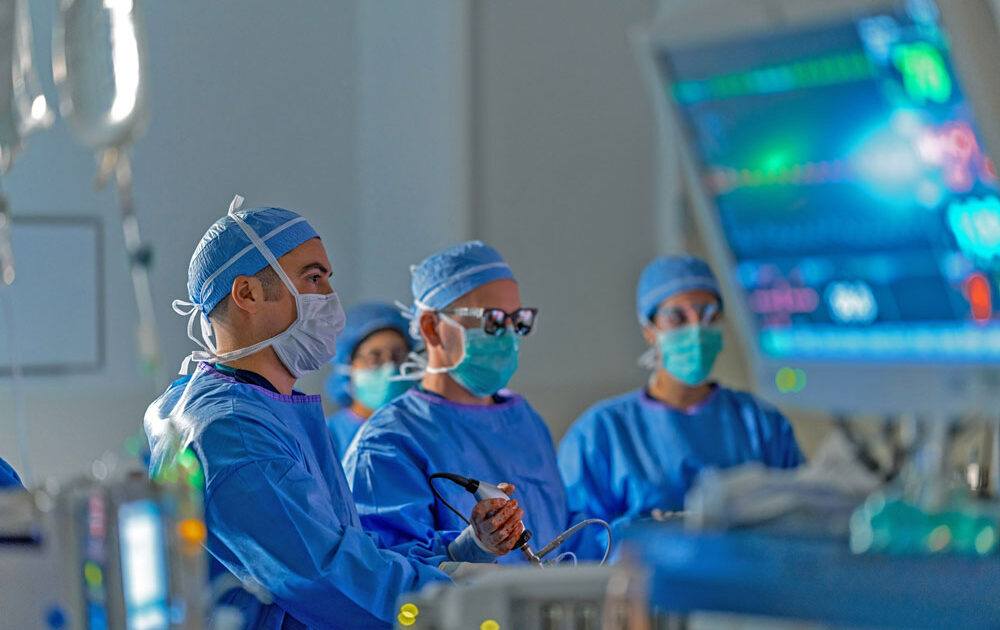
<point>483,490</point>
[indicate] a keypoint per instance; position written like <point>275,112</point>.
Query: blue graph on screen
<point>852,187</point>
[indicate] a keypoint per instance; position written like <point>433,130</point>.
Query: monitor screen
<point>851,187</point>
<point>145,583</point>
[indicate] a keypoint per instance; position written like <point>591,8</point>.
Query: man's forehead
<point>698,296</point>
<point>383,337</point>
<point>498,294</point>
<point>312,250</point>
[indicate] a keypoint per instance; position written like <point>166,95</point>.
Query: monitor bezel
<point>941,389</point>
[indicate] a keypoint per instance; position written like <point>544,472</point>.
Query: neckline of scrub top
<point>647,399</point>
<point>294,397</point>
<point>507,399</point>
<point>247,377</point>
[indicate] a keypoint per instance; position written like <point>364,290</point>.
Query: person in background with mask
<point>278,510</point>
<point>459,419</point>
<point>629,455</point>
<point>8,477</point>
<point>374,344</point>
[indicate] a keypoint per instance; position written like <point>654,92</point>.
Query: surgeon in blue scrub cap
<point>460,418</point>
<point>277,507</point>
<point>374,344</point>
<point>639,452</point>
<point>8,477</point>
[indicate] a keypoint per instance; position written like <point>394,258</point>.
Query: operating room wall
<point>247,96</point>
<point>564,149</point>
<point>564,183</point>
<point>414,122</point>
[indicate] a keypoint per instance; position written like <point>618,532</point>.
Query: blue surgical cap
<point>451,273</point>
<point>363,321</point>
<point>225,252</point>
<point>668,276</point>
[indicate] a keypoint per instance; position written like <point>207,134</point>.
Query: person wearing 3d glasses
<point>460,418</point>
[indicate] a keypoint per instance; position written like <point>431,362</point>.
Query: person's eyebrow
<point>317,266</point>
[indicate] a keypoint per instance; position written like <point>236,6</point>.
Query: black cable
<point>862,454</point>
<point>897,449</point>
<point>462,481</point>
<point>471,486</point>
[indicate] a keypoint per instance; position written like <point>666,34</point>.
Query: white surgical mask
<point>306,345</point>
<point>311,341</point>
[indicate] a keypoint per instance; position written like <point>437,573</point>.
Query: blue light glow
<point>854,196</point>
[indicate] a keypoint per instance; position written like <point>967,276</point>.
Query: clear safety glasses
<point>377,357</point>
<point>494,320</point>
<point>681,315</point>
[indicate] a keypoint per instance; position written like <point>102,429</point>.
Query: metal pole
<point>115,162</point>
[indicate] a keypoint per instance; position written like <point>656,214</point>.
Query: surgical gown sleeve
<point>8,476</point>
<point>391,491</point>
<point>276,527</point>
<point>629,455</point>
<point>588,477</point>
<point>786,452</point>
<point>343,426</point>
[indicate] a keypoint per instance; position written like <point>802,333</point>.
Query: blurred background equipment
<point>63,251</point>
<point>23,109</point>
<point>99,64</point>
<point>524,598</point>
<point>836,160</point>
<point>105,555</point>
<point>760,581</point>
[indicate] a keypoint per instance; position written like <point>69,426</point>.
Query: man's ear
<point>247,293</point>
<point>428,328</point>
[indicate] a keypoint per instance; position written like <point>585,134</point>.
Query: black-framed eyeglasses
<point>680,315</point>
<point>494,320</point>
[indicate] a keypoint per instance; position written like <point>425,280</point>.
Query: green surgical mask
<point>689,353</point>
<point>375,387</point>
<point>488,361</point>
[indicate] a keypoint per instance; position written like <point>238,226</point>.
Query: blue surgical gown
<point>278,509</point>
<point>8,476</point>
<point>343,426</point>
<point>629,455</point>
<point>420,433</point>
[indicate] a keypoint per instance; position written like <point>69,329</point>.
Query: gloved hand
<point>497,522</point>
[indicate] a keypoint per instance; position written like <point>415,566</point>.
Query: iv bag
<point>99,64</point>
<point>23,107</point>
